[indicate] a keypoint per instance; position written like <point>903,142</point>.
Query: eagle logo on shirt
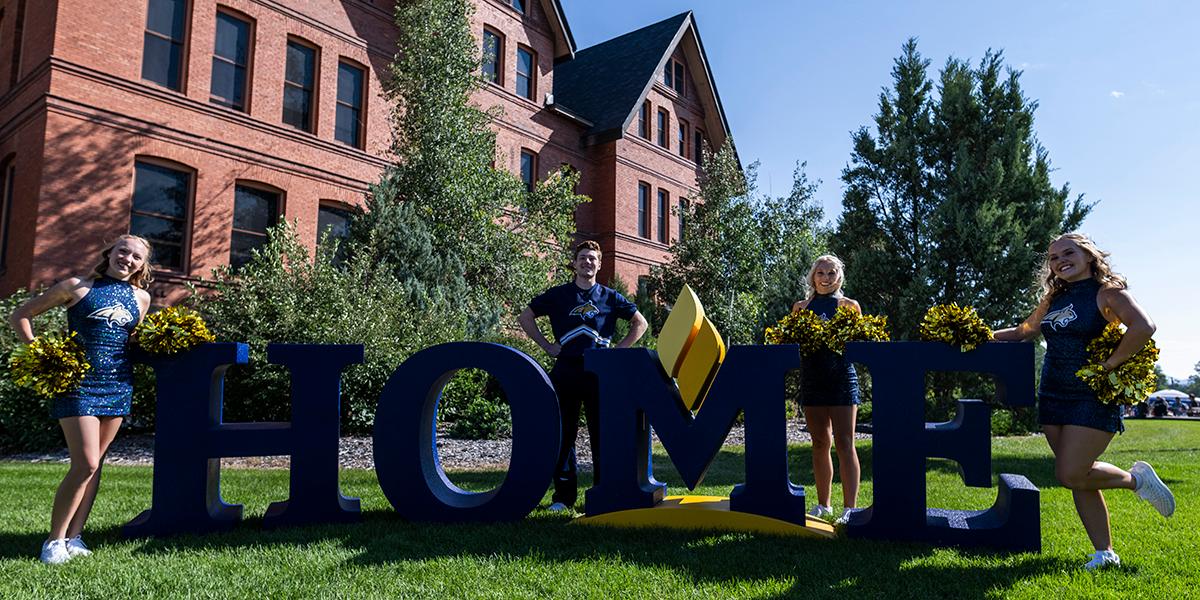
<point>585,311</point>
<point>115,315</point>
<point>1060,318</point>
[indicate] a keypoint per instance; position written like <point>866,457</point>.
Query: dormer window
<point>519,5</point>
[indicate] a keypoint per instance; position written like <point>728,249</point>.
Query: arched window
<point>256,207</point>
<point>162,200</point>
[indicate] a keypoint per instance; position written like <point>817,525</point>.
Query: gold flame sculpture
<point>690,348</point>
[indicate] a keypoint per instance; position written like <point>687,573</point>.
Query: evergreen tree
<point>950,200</point>
<point>449,223</point>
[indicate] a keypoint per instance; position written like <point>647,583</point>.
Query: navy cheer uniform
<point>102,321</point>
<point>827,378</point>
<point>1072,321</point>
<point>580,319</point>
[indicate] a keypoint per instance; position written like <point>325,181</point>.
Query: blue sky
<point>1117,83</point>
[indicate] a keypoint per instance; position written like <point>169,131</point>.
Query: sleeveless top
<point>1072,321</point>
<point>102,321</point>
<point>827,378</point>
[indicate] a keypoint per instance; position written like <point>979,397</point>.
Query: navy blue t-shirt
<point>582,319</point>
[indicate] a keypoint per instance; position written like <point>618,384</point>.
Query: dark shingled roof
<point>603,83</point>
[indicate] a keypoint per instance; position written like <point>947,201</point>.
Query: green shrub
<point>284,295</point>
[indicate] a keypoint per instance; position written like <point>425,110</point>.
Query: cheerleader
<point>103,308</point>
<point>829,393</point>
<point>1081,296</point>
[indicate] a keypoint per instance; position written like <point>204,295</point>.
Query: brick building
<point>199,123</point>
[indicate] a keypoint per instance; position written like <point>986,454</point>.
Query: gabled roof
<point>602,83</point>
<point>564,40</point>
<point>606,83</point>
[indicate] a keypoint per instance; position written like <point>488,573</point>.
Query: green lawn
<point>544,556</point>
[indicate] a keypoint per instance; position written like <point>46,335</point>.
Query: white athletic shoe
<point>820,511</point>
<point>1102,559</point>
<point>1152,489</point>
<point>76,547</point>
<point>558,507</point>
<point>846,514</point>
<point>54,552</point>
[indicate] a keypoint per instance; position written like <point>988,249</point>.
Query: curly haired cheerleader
<point>103,308</point>
<point>829,393</point>
<point>1082,295</point>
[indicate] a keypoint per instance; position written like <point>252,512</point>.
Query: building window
<point>528,169</point>
<point>663,134</point>
<point>348,123</point>
<point>298,84</point>
<point>526,73</point>
<point>162,46</point>
<point>682,217</point>
<point>679,78</point>
<point>683,133</point>
<point>644,210</point>
<point>519,5</point>
<point>493,51</point>
<point>333,223</point>
<point>644,120</point>
<point>18,40</point>
<point>231,60</point>
<point>698,140</point>
<point>159,214</point>
<point>664,211</point>
<point>669,74</point>
<point>9,174</point>
<point>254,210</point>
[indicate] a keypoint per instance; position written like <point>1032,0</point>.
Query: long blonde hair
<point>141,277</point>
<point>1101,270</point>
<point>811,286</point>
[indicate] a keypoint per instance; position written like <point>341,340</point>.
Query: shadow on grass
<point>813,568</point>
<point>816,568</point>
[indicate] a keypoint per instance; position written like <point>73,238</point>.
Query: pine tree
<point>470,231</point>
<point>950,199</point>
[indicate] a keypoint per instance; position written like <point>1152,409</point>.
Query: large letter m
<point>636,393</point>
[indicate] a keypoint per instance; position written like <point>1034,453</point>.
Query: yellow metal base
<point>706,512</point>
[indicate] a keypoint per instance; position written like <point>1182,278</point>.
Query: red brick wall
<point>76,123</point>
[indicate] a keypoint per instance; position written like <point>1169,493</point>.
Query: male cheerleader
<point>583,315</point>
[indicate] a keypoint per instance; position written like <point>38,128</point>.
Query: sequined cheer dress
<point>827,378</point>
<point>1071,322</point>
<point>102,321</point>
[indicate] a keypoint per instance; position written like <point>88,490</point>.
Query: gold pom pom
<point>955,325</point>
<point>1131,381</point>
<point>804,327</point>
<point>172,330</point>
<point>50,365</point>
<point>847,325</point>
<point>814,333</point>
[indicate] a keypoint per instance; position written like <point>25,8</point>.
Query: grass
<point>544,556</point>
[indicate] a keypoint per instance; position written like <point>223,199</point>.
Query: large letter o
<point>406,460</point>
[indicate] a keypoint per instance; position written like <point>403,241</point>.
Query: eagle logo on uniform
<point>115,315</point>
<point>1061,317</point>
<point>585,311</point>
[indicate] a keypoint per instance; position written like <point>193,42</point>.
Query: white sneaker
<point>1102,559</point>
<point>558,507</point>
<point>820,511</point>
<point>76,547</point>
<point>1152,489</point>
<point>846,514</point>
<point>54,552</point>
